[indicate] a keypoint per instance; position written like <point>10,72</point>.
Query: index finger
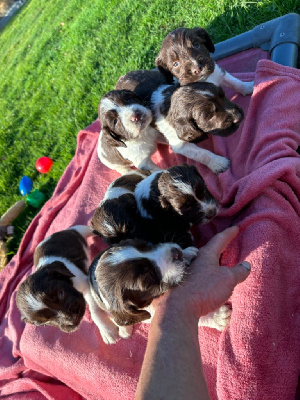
<point>221,240</point>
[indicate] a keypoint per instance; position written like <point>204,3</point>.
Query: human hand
<point>208,285</point>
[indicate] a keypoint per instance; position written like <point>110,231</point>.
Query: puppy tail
<point>83,230</point>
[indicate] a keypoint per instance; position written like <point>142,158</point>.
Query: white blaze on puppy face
<point>126,113</point>
<point>107,105</point>
<point>186,188</point>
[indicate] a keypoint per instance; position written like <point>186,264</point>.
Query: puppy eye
<point>196,46</point>
<point>61,294</point>
<point>128,99</point>
<point>187,205</point>
<point>115,121</point>
<point>176,63</point>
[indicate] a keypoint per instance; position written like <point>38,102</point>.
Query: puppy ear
<point>131,316</point>
<point>59,270</point>
<point>206,39</point>
<point>186,129</point>
<point>163,202</point>
<point>114,139</point>
<point>163,68</point>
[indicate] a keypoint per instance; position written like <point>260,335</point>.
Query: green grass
<point>58,59</point>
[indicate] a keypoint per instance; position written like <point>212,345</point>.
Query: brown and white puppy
<point>126,139</point>
<point>142,82</point>
<point>126,277</point>
<point>175,199</point>
<point>185,54</point>
<point>188,114</point>
<point>57,292</point>
<point>117,217</point>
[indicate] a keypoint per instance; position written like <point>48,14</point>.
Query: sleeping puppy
<point>175,199</point>
<point>126,277</point>
<point>188,114</point>
<point>117,217</point>
<point>126,139</point>
<point>57,292</point>
<point>185,55</point>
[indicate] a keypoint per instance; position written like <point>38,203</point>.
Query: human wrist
<point>171,308</point>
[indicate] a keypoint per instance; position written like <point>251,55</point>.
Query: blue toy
<point>25,185</point>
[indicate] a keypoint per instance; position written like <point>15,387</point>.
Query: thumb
<point>241,271</point>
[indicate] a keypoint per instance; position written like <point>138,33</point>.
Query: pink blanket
<point>257,356</point>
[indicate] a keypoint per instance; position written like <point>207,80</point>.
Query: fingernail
<point>246,265</point>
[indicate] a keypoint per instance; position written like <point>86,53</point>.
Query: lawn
<point>58,59</point>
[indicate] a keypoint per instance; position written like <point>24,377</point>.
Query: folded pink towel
<point>257,356</point>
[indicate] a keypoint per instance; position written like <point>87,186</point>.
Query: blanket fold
<point>257,356</point>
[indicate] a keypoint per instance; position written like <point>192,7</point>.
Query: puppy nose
<point>196,71</point>
<point>136,116</point>
<point>237,117</point>
<point>211,213</point>
<point>176,253</point>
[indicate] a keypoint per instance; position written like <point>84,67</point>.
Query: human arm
<point>172,367</point>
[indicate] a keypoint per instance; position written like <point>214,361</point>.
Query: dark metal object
<point>280,36</point>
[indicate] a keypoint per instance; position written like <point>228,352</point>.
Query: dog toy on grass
<point>43,164</point>
<point>25,185</point>
<point>36,198</point>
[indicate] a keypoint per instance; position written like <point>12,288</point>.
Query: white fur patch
<point>142,191</point>
<point>106,105</point>
<point>185,187</point>
<point>114,193</point>
<point>83,230</point>
<point>205,93</point>
<point>108,330</point>
<point>138,151</point>
<point>80,280</point>
<point>221,77</point>
<point>33,303</point>
<point>172,272</point>
<point>163,126</point>
<point>216,77</point>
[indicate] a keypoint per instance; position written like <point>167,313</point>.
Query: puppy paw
<point>125,331</point>
<point>247,88</point>
<point>218,319</point>
<point>221,317</point>
<point>218,164</point>
<point>110,335</point>
<point>189,254</point>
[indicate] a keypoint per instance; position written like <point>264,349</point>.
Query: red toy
<point>44,164</point>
